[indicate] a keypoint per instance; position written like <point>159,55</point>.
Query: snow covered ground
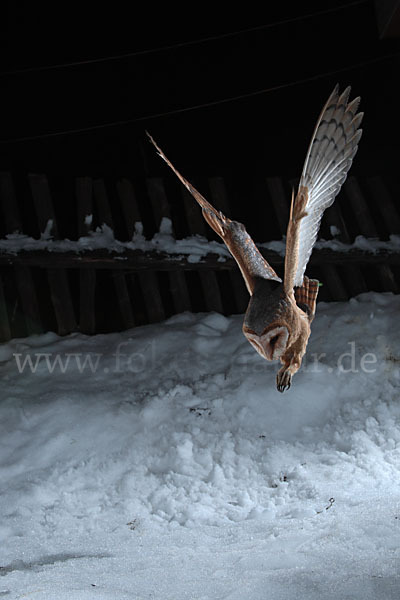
<point>161,463</point>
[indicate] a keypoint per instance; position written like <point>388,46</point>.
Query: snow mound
<point>177,427</point>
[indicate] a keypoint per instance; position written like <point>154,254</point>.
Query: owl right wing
<point>329,158</point>
<point>249,259</point>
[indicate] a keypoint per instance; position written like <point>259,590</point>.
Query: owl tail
<point>306,296</point>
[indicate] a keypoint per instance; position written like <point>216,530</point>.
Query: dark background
<point>295,52</point>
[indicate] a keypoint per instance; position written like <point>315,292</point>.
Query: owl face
<point>271,344</point>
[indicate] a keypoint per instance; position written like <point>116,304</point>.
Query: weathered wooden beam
<point>84,202</point>
<point>87,306</point>
<point>367,227</point>
<point>219,198</point>
<point>9,203</point>
<point>137,260</point>
<point>177,282</point>
<point>43,202</point>
<point>5,330</point>
<point>62,300</point>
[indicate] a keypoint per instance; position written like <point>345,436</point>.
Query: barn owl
<point>277,322</point>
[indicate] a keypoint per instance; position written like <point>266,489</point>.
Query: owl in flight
<point>277,322</point>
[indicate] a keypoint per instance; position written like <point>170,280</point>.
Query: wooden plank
<point>22,273</point>
<point>179,291</point>
<point>87,277</point>
<point>28,299</point>
<point>129,205</point>
<point>62,301</point>
<point>151,292</point>
<point>84,201</point>
<point>158,200</point>
<point>177,282</point>
<point>219,198</point>
<point>280,202</point>
<point>9,203</point>
<point>87,312</point>
<point>385,204</point>
<point>196,224</point>
<point>43,203</point>
<point>137,260</point>
<point>194,217</point>
<point>58,279</point>
<point>368,229</point>
<point>5,329</point>
<point>121,288</point>
<point>354,278</point>
<point>124,300</point>
<point>102,203</point>
<point>333,217</point>
<point>211,291</point>
<point>360,208</point>
<point>334,283</point>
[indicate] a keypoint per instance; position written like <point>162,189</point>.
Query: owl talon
<point>283,381</point>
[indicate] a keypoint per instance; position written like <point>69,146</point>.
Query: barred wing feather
<point>329,158</point>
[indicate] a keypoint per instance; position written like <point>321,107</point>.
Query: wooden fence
<point>98,291</point>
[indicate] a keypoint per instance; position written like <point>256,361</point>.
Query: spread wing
<point>329,158</point>
<point>249,259</point>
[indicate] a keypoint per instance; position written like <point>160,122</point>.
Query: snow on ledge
<point>195,247</point>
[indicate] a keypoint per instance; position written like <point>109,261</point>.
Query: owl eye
<point>273,340</point>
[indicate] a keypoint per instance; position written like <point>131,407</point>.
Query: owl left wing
<point>250,261</point>
<point>329,158</point>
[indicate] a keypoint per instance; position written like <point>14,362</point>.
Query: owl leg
<point>291,364</point>
<point>283,380</point>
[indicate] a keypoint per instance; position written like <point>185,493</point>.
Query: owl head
<point>264,324</point>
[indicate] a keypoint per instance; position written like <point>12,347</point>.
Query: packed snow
<point>161,463</point>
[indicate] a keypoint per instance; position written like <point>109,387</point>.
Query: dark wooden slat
<point>124,301</point>
<point>360,207</point>
<point>5,330</point>
<point>28,299</point>
<point>196,224</point>
<point>129,205</point>
<point>87,277</point>
<point>23,274</point>
<point>280,202</point>
<point>62,301</point>
<point>334,283</point>
<point>177,282</point>
<point>211,291</point>
<point>194,217</point>
<point>385,204</point>
<point>151,292</point>
<point>367,227</point>
<point>333,216</point>
<point>87,290</point>
<point>102,203</point>
<point>84,198</point>
<point>179,291</point>
<point>58,279</point>
<point>137,260</point>
<point>121,288</point>
<point>158,199</point>
<point>43,203</point>
<point>354,278</point>
<point>9,203</point>
<point>219,198</point>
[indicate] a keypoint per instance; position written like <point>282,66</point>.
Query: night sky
<point>299,59</point>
